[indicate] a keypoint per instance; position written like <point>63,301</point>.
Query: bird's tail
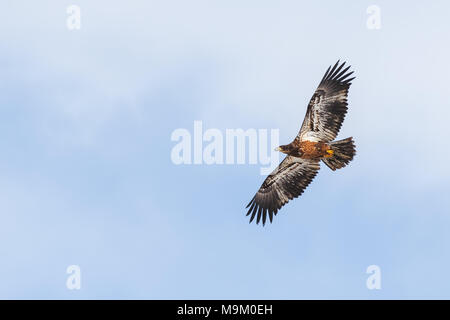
<point>342,152</point>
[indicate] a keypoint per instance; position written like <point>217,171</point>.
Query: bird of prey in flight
<point>314,143</point>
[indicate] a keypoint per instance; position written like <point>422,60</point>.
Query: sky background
<point>86,176</point>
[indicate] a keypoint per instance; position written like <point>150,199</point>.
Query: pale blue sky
<point>85,171</point>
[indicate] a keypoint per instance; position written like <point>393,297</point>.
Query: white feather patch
<point>310,136</point>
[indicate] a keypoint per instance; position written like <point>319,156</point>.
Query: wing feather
<point>328,105</point>
<point>286,182</point>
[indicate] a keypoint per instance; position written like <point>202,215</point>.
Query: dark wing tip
<point>337,74</point>
<point>270,215</point>
<point>251,201</point>
<point>349,81</point>
<point>259,212</point>
<point>253,213</point>
<point>251,209</point>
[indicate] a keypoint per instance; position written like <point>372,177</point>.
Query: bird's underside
<point>310,150</point>
<point>314,143</point>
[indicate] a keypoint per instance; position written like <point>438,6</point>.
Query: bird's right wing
<point>286,182</point>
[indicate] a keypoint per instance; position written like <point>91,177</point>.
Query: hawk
<point>314,143</point>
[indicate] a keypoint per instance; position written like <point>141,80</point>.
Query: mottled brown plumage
<point>314,143</point>
<point>309,149</point>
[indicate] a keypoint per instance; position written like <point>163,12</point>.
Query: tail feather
<point>343,153</point>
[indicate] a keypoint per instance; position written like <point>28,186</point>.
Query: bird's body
<point>314,150</point>
<point>314,143</point>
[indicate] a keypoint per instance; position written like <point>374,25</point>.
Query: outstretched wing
<point>328,106</point>
<point>286,182</point>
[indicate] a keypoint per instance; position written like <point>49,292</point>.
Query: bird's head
<point>285,148</point>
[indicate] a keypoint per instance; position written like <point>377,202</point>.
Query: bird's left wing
<point>286,182</point>
<point>328,106</point>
